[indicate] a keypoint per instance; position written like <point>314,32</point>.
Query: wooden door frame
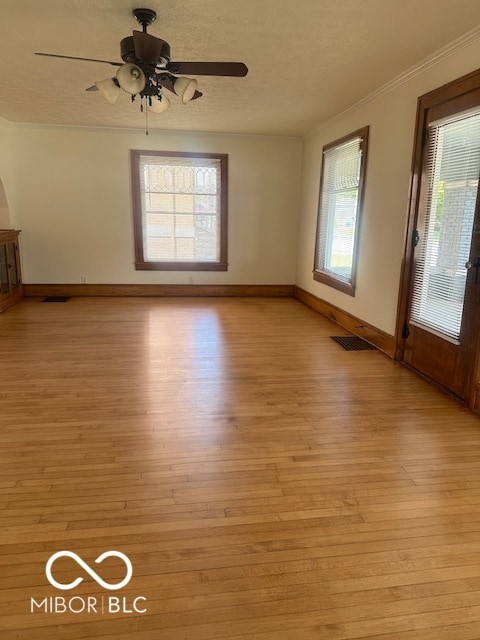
<point>452,90</point>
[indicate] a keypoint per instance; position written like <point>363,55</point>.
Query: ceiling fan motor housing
<point>127,51</point>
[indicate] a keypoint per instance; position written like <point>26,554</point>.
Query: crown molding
<point>4,122</point>
<point>441,54</point>
<point>152,132</point>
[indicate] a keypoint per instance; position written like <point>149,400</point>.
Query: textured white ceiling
<point>307,59</point>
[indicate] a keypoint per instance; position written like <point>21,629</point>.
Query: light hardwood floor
<point>264,483</point>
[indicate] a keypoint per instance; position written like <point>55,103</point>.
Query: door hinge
<point>405,331</point>
<point>415,238</point>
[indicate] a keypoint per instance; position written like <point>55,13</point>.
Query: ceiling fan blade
<point>54,55</point>
<point>236,69</point>
<point>147,47</point>
<point>167,83</point>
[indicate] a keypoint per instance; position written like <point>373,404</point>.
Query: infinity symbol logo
<point>93,574</point>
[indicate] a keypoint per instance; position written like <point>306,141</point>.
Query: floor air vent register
<point>353,343</point>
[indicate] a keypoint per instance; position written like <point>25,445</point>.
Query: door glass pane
<point>4,286</point>
<point>452,173</point>
<point>12,265</point>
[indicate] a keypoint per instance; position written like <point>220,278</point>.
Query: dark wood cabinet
<point>11,288</point>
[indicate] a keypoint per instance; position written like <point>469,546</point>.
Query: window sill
<point>334,282</point>
<point>181,266</point>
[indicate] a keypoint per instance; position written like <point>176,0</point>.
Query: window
<point>339,211</point>
<point>180,210</point>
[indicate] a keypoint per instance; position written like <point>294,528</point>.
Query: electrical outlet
<point>84,279</point>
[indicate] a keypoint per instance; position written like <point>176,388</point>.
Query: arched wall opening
<point>4,210</point>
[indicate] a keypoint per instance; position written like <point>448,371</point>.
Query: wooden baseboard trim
<point>167,290</point>
<point>475,404</point>
<point>383,341</point>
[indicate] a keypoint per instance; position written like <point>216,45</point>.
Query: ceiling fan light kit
<point>131,78</point>
<point>109,89</point>
<point>159,105</point>
<point>147,70</point>
<point>185,88</point>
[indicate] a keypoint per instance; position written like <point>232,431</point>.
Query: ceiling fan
<point>147,70</point>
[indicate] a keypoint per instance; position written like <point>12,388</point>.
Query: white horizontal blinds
<point>180,208</point>
<point>338,208</point>
<point>452,173</point>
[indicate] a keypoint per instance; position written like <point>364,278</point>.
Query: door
<point>442,312</point>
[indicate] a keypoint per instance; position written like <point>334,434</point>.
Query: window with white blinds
<point>343,174</point>
<point>180,210</point>
<point>449,200</point>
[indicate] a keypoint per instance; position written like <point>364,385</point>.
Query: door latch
<point>473,265</point>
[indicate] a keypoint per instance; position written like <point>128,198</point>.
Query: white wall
<point>71,196</point>
<point>73,204</point>
<point>6,186</point>
<point>391,117</point>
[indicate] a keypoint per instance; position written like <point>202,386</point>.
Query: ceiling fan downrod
<point>145,17</point>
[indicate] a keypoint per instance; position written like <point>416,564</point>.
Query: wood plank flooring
<point>264,483</point>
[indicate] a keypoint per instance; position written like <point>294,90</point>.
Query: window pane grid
<point>187,197</point>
